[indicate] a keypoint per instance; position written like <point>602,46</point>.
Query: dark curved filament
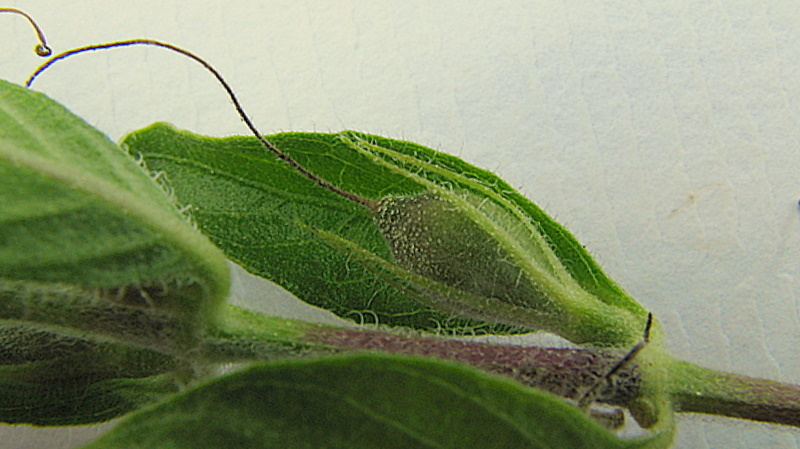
<point>269,146</point>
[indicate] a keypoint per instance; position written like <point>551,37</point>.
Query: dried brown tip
<point>587,398</point>
<point>41,48</point>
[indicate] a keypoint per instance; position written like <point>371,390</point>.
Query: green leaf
<point>254,207</point>
<point>49,379</point>
<point>365,401</point>
<point>103,284</point>
<point>279,225</point>
<point>55,372</point>
<point>81,220</point>
<point>78,210</point>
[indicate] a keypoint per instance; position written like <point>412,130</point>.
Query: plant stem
<point>702,390</point>
<point>566,372</point>
<point>239,335</point>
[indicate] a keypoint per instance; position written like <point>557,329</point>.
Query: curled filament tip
<point>41,48</point>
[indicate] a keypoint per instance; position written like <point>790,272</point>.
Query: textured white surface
<point>664,134</point>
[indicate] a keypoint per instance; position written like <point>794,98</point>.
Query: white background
<point>664,134</point>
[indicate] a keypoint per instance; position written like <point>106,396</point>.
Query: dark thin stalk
<point>239,109</point>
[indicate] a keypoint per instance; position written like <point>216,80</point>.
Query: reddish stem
<point>565,372</point>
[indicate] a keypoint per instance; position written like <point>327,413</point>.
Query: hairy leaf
<point>280,225</point>
<point>49,379</point>
<point>103,284</point>
<point>76,209</point>
<point>254,207</point>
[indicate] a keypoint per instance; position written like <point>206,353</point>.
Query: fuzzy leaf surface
<point>102,280</point>
<point>49,379</point>
<point>261,213</point>
<point>76,209</point>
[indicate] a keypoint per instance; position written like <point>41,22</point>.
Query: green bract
<point>446,240</point>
